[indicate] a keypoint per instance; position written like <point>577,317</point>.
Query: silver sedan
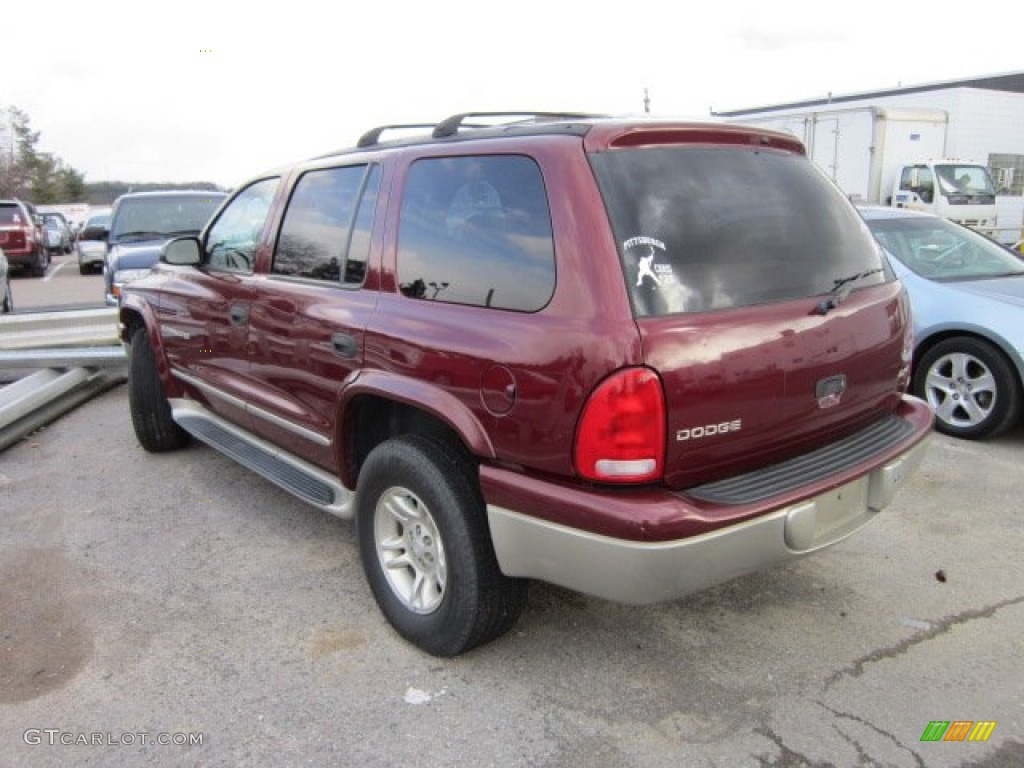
<point>967,298</point>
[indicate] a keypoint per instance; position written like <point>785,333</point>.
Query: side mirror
<point>182,251</point>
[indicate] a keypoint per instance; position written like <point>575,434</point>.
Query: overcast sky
<point>219,91</point>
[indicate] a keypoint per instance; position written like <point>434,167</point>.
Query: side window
<point>919,179</point>
<point>477,230</point>
<point>326,230</point>
<point>232,241</point>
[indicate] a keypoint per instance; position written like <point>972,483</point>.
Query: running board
<point>300,478</point>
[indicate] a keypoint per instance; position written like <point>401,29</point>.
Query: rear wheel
<point>155,428</point>
<point>41,262</point>
<point>971,386</point>
<point>426,548</point>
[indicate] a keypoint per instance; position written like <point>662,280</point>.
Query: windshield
<point>941,250</point>
<point>713,228</point>
<point>156,217</point>
<point>964,180</point>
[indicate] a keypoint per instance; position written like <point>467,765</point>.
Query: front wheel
<point>426,548</point>
<point>154,426</point>
<point>971,386</point>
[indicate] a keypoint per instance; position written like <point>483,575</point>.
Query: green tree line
<point>29,173</point>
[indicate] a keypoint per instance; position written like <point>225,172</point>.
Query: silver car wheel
<point>961,389</point>
<point>410,550</point>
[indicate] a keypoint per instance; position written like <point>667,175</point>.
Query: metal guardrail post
<point>79,353</point>
<point>43,397</point>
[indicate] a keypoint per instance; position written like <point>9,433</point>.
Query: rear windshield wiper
<point>841,288</point>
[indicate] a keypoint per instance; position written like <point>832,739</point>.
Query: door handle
<point>239,315</point>
<point>344,345</point>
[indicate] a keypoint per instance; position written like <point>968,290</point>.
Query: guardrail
<point>79,354</point>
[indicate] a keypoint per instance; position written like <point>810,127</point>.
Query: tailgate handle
<point>239,315</point>
<point>344,345</point>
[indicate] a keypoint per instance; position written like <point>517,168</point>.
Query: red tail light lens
<point>621,434</point>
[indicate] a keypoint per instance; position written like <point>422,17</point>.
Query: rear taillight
<point>621,434</point>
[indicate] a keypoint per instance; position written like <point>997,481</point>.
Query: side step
<point>300,478</point>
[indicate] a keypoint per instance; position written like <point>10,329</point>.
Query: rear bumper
<point>649,568</point>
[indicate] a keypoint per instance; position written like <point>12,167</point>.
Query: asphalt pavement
<point>179,610</point>
<point>180,598</point>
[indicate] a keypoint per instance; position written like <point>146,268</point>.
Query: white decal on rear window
<point>647,250</point>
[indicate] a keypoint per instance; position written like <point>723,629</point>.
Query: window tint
<point>232,241</point>
<point>323,235</point>
<point>477,230</point>
<point>702,229</point>
<point>359,242</point>
<point>10,214</point>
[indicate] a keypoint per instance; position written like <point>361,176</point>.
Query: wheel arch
<point>133,315</point>
<point>1002,345</point>
<point>379,406</point>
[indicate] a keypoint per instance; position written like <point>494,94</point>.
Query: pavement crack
<point>863,758</point>
<point>941,627</point>
<point>787,757</point>
<point>847,716</point>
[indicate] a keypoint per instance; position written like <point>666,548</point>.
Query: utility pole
<point>647,101</point>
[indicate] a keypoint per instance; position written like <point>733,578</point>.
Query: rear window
<point>701,229</point>
<point>10,215</point>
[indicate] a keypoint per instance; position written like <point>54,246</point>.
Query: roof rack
<point>450,126</point>
<point>372,136</point>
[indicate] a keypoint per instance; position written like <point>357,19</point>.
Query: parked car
<point>6,297</point>
<point>21,237</point>
<point>141,222</point>
<point>580,350</point>
<point>967,295</point>
<point>57,231</point>
<point>91,242</point>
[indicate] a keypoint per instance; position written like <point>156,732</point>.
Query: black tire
<point>971,386</point>
<point>42,261</point>
<point>84,269</point>
<point>444,536</point>
<point>155,429</point>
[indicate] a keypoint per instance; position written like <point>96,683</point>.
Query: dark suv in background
<point>630,357</point>
<point>21,237</point>
<point>141,222</point>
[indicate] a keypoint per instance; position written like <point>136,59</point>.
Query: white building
<point>985,122</point>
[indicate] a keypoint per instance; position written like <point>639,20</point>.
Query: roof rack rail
<point>372,136</point>
<point>450,126</point>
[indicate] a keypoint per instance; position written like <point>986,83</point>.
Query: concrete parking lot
<point>181,599</point>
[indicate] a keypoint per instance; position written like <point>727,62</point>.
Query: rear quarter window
<point>702,229</point>
<point>476,230</point>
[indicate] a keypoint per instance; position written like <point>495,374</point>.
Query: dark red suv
<point>21,237</point>
<point>633,358</point>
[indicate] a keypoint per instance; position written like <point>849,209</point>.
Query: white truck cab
<point>960,190</point>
